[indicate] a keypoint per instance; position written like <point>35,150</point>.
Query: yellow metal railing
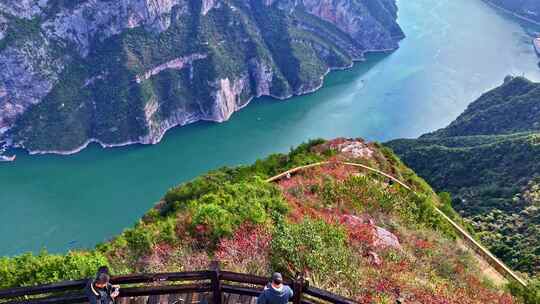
<point>497,264</point>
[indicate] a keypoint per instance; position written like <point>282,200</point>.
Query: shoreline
<point>514,14</point>
<point>160,137</point>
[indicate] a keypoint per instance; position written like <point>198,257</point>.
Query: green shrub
<point>529,294</point>
<point>216,219</point>
<point>139,239</point>
<point>196,188</point>
<point>223,210</point>
<point>179,197</point>
<point>299,156</point>
<point>312,245</point>
<point>446,207</point>
<point>166,230</point>
<point>29,269</point>
<point>424,213</point>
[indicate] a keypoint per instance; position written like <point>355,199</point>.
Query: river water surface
<point>454,51</point>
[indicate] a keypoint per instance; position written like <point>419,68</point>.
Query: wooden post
<point>298,288</point>
<point>216,283</point>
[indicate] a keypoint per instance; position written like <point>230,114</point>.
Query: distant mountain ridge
<point>489,159</point>
<point>512,108</point>
<point>122,72</point>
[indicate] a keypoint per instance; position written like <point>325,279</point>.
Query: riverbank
<point>519,16</point>
<point>174,122</point>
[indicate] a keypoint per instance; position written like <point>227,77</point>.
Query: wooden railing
<point>214,282</point>
<point>491,259</point>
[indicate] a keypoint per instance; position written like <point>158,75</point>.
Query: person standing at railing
<point>276,292</point>
<point>100,290</point>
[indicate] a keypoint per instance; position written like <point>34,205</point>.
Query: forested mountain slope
<point>489,159</point>
<point>122,72</point>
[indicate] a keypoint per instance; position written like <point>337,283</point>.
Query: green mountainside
<point>350,231</point>
<point>126,71</point>
<point>489,160</point>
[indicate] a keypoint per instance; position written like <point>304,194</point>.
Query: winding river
<point>454,51</point>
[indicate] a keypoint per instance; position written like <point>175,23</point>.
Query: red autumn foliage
<point>423,244</point>
<point>249,244</point>
<point>384,285</point>
<point>198,260</point>
<point>361,234</point>
<point>160,253</point>
<point>392,278</point>
<point>297,189</point>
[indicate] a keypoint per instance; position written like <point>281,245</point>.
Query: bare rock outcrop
<point>175,64</point>
<point>23,8</point>
<point>379,237</point>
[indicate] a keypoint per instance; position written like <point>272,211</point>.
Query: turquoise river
<point>454,51</point>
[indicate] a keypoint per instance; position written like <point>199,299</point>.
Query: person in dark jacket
<point>276,292</point>
<point>100,290</point>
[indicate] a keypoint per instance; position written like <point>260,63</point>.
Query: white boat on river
<point>5,158</point>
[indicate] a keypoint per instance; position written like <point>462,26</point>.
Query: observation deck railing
<point>209,286</point>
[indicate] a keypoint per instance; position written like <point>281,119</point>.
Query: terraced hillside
<point>349,230</point>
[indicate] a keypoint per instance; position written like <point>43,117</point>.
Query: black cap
<point>103,269</point>
<point>277,278</point>
<point>102,278</point>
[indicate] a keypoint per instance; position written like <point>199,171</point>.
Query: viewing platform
<point>208,286</point>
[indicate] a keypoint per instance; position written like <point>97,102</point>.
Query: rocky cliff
<point>121,72</point>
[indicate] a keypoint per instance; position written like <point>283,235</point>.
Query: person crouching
<point>100,290</point>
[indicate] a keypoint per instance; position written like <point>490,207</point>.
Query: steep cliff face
<point>120,72</point>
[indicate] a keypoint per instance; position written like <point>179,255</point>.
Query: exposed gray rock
<point>23,8</point>
<point>380,238</point>
<point>227,98</point>
<point>3,27</point>
<point>262,74</point>
<point>175,64</point>
<point>103,19</point>
<point>27,76</point>
<point>355,18</point>
<point>207,5</point>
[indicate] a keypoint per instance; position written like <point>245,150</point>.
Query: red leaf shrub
<point>423,244</point>
<point>247,251</point>
<point>198,260</point>
<point>156,260</point>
